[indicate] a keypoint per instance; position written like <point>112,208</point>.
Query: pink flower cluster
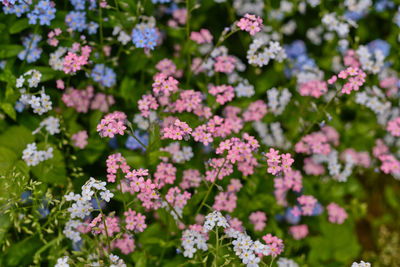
<point>291,180</point>
<point>168,68</point>
<point>146,188</point>
<point>164,85</point>
<point>336,213</point>
<point>314,88</point>
<point>73,62</point>
<point>112,124</point>
<point>313,168</point>
<point>394,127</point>
<point>179,17</point>
<point>356,78</point>
<point>176,198</point>
<point>189,100</point>
<point>147,103</point>
<point>224,93</point>
<point>256,111</point>
<point>258,218</point>
<point>350,59</point>
<point>80,139</point>
<point>218,169</point>
<point>307,204</point>
<point>389,163</point>
<point>125,244</point>
<point>318,142</point>
<point>227,200</point>
<point>359,158</point>
<point>217,127</point>
<point>277,163</point>
<point>224,64</point>
<point>82,100</point>
<point>51,35</point>
<point>165,174</point>
<point>202,37</point>
<point>390,83</point>
<point>299,231</point>
<point>250,23</point>
<point>134,221</point>
<point>115,162</point>
<point>275,244</point>
<point>191,179</point>
<point>240,152</point>
<point>177,131</point>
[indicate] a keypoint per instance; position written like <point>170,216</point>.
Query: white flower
<point>106,195</point>
<point>62,262</point>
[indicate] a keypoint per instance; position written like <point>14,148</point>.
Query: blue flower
<point>19,106</point>
<point>132,144</point>
<point>31,52</point>
<point>103,75</point>
<point>290,218</point>
<point>145,37</point>
<point>379,44</point>
<point>44,12</point>
<point>76,20</point>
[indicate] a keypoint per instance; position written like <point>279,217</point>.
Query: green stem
<point>189,70</point>
<point>122,193</point>
<point>104,223</point>
<point>216,247</point>
<point>209,189</point>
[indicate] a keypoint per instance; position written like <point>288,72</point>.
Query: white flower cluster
<point>116,261</point>
<point>178,155</point>
<point>255,7</point>
<point>40,104</point>
<point>33,81</point>
<point>275,138</point>
<point>192,239</point>
<point>215,218</point>
<point>373,99</point>
<point>33,157</point>
<point>123,37</point>
<point>247,249</point>
<point>56,60</point>
<point>243,246</point>
<point>361,264</point>
<point>51,124</point>
<point>370,62</point>
<point>279,14</point>
<point>337,24</point>
<point>334,166</point>
<point>62,262</point>
<point>244,89</point>
<point>82,206</point>
<point>309,73</point>
<point>285,262</point>
<point>277,100</point>
<point>144,123</point>
<point>262,51</point>
<point>360,6</point>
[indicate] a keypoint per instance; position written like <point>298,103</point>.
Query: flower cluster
<point>336,213</point>
<point>278,163</point>
<point>112,124</point>
<point>33,157</point>
<point>250,23</point>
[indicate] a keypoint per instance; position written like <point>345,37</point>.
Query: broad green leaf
<point>19,25</point>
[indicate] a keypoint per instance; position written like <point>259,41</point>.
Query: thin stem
<point>273,258</point>
<point>222,38</point>
<point>216,247</point>
<point>137,139</point>
<point>101,26</point>
<point>104,223</point>
<point>122,193</point>
<point>209,189</point>
<point>189,73</point>
<point>320,112</point>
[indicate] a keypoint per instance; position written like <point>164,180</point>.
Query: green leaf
<point>7,51</point>
<point>16,138</point>
<point>9,110</point>
<point>7,159</point>
<point>21,254</point>
<point>52,170</point>
<point>19,25</point>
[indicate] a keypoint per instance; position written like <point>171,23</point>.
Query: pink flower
<point>336,213</point>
